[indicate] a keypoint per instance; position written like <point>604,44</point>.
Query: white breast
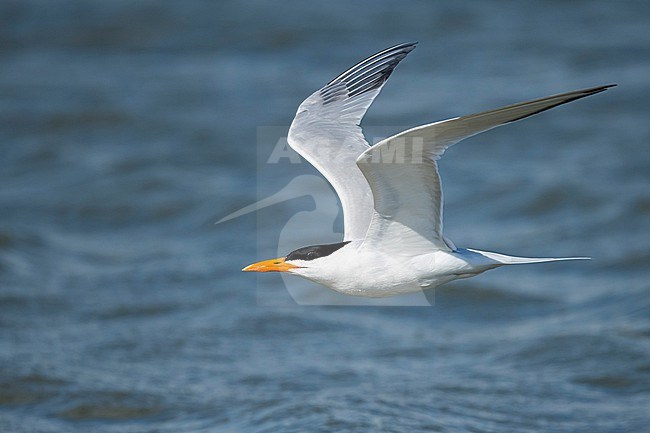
<point>362,272</point>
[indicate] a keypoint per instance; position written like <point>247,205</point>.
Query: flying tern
<point>390,192</point>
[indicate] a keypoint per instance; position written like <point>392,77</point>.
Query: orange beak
<point>273,265</point>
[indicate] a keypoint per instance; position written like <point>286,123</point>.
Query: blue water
<point>128,128</point>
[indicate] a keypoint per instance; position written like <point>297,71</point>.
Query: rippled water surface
<point>128,128</point>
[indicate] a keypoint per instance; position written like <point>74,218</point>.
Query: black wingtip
<point>599,89</point>
<point>369,74</point>
<point>405,48</point>
<point>411,45</point>
<point>564,98</point>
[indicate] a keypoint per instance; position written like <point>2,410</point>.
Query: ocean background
<point>127,128</point>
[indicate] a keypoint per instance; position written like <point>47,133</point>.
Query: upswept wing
<point>403,174</point>
<point>326,132</point>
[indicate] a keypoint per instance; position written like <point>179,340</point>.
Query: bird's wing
<point>403,174</point>
<point>326,132</point>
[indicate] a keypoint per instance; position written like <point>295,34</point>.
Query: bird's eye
<point>311,255</point>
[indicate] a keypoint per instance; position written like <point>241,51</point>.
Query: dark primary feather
<point>367,75</point>
<point>571,96</point>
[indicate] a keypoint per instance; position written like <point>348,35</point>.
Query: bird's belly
<point>391,276</point>
<point>378,288</point>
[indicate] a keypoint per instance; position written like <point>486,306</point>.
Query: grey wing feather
<point>408,192</point>
<point>326,132</point>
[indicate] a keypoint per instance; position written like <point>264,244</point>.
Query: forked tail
<point>503,259</point>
